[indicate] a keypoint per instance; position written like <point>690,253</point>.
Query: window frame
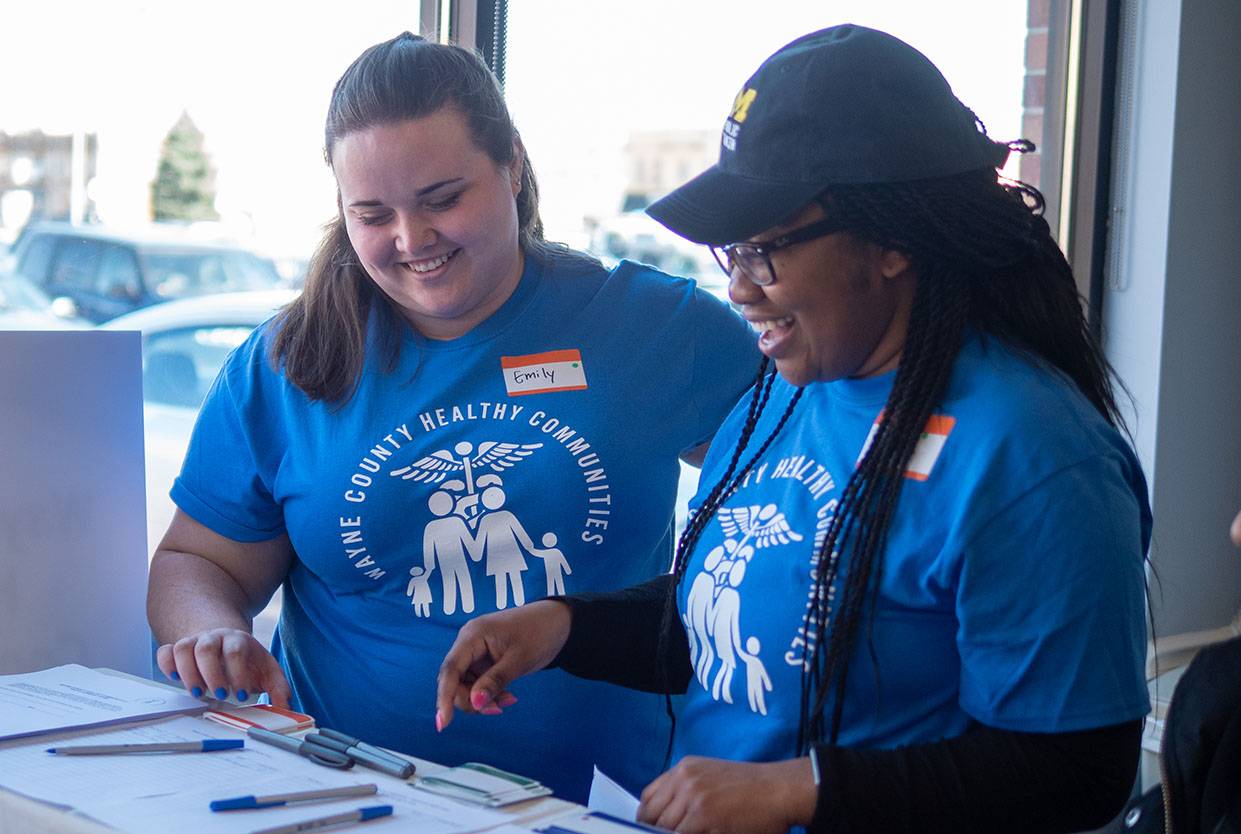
<point>1079,129</point>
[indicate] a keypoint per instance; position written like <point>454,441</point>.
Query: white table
<point>21,814</point>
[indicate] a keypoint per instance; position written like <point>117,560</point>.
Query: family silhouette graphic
<point>471,524</point>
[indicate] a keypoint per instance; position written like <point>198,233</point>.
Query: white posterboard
<point>73,552</point>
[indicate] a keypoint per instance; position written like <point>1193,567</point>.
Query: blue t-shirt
<point>536,454</point>
<point>1012,589</point>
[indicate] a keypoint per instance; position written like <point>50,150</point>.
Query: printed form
<point>72,696</point>
<point>154,793</point>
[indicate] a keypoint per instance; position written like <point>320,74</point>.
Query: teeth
<point>764,326</point>
<point>430,265</point>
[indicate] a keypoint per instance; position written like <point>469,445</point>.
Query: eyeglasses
<point>754,259</point>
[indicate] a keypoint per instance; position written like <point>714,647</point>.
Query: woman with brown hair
<point>395,447</point>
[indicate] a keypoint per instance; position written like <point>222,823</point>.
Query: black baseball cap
<point>842,106</point>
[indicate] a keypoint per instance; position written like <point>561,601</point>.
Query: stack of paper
<point>481,784</point>
<point>74,697</point>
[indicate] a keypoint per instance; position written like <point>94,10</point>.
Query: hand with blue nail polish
<point>218,662</point>
<point>205,633</point>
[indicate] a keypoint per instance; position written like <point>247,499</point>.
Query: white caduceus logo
<point>713,608</point>
<point>438,465</point>
<point>470,520</point>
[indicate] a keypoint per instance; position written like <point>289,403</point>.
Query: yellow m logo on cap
<point>741,105</point>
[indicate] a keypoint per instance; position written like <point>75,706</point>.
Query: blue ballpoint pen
<point>205,746</point>
<point>245,803</point>
<point>360,815</point>
<point>564,829</point>
<point>603,815</point>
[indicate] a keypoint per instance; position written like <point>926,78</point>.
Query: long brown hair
<point>320,341</point>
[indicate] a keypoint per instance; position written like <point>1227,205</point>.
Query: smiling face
<point>838,308</point>
<point>433,219</point>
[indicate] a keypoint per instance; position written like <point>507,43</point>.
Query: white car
<point>184,343</point>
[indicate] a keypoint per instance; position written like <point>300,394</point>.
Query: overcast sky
<point>255,75</point>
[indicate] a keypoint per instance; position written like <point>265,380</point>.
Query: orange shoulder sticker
<point>934,436</point>
<point>926,452</point>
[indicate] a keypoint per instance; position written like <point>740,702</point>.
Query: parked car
<point>635,236</point>
<point>184,344</point>
<point>107,272</point>
<point>23,306</point>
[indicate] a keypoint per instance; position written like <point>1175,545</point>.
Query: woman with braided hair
<point>911,593</point>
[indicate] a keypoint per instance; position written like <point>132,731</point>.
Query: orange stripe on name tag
<point>541,373</point>
<point>540,358</point>
<point>940,424</point>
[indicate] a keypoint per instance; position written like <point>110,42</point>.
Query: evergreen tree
<point>184,186</point>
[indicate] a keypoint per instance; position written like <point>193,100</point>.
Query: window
<point>631,101</point>
<point>632,87</point>
<point>584,81</point>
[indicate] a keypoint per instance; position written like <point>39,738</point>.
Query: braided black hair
<point>985,259</point>
<point>725,487</point>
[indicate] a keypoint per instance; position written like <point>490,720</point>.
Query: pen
<point>360,815</point>
<point>381,762</point>
<point>204,746</point>
<point>248,802</point>
<point>317,753</point>
<point>603,815</point>
<point>369,748</point>
<point>563,829</point>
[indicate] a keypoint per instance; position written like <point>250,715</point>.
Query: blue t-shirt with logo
<point>536,454</point>
<point>1012,589</point>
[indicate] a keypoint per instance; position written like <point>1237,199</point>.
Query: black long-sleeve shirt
<point>988,779</point>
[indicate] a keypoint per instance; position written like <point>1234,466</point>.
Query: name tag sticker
<point>540,373</point>
<point>922,461</point>
<point>926,452</point>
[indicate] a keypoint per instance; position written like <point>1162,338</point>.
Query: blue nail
<point>221,693</point>
<point>173,674</point>
<point>242,696</point>
<point>197,692</point>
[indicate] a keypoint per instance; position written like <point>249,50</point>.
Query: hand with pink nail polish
<point>479,701</point>
<point>492,651</point>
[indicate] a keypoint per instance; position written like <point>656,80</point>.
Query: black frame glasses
<point>754,259</point>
